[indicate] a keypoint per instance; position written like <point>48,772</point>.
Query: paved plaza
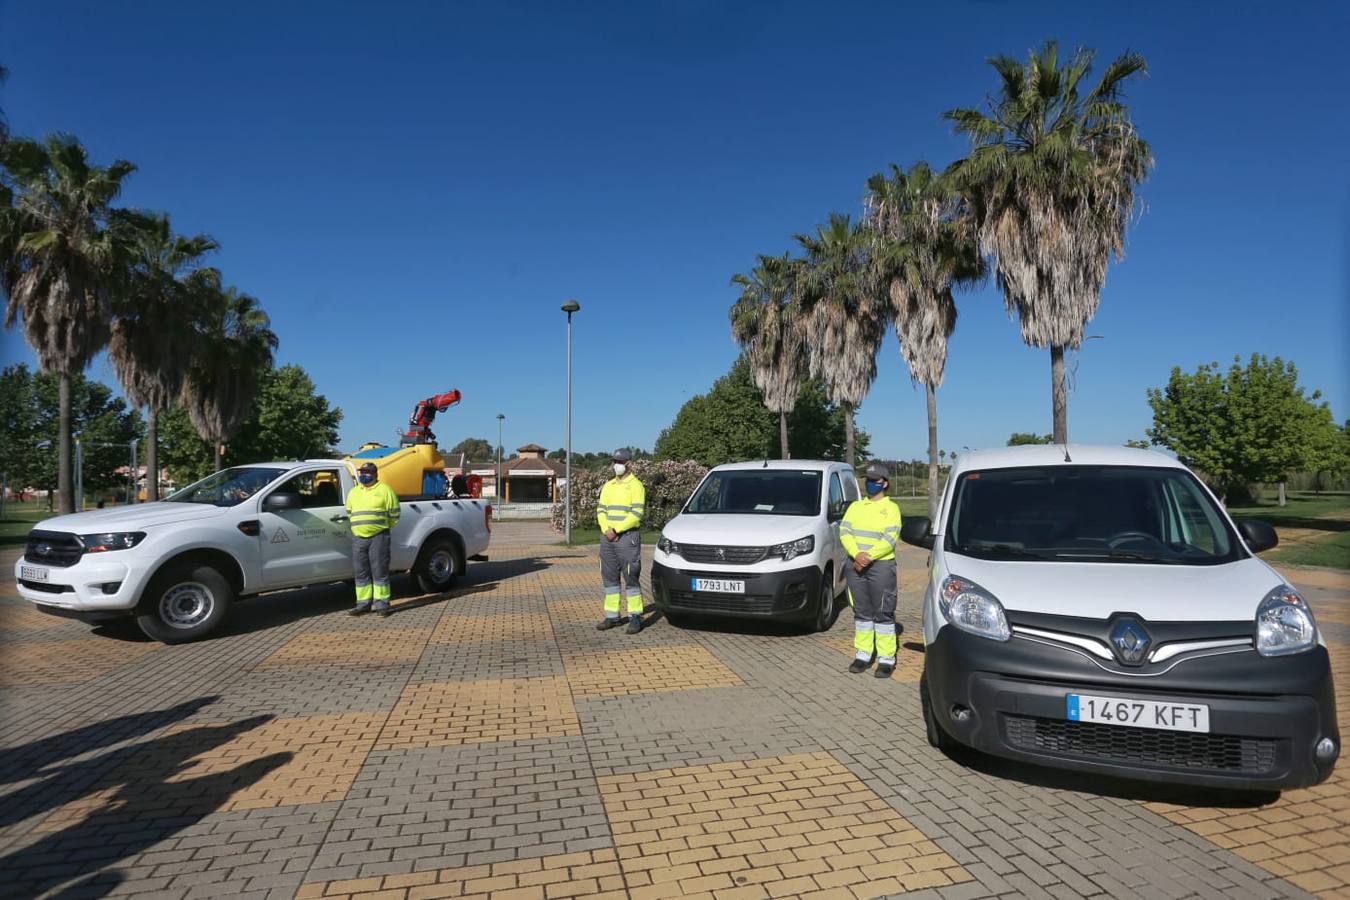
<point>490,742</point>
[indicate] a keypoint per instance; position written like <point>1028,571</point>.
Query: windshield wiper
<point>1005,549</point>
<point>1128,555</point>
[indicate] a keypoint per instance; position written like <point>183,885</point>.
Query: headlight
<point>1284,624</point>
<point>793,548</point>
<point>666,545</point>
<point>111,540</point>
<point>971,608</point>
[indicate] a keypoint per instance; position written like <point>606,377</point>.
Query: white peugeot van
<point>1095,608</point>
<point>758,540</point>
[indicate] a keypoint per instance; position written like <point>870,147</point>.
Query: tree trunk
<point>65,487</point>
<point>1283,499</point>
<point>220,456</point>
<point>151,455</point>
<point>1059,395</point>
<point>932,455</point>
<point>848,433</point>
<point>782,435</point>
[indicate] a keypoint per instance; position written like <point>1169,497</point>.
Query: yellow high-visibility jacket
<point>871,527</point>
<point>373,509</point>
<point>623,502</point>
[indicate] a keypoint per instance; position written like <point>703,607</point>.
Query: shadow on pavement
<point>1111,786</point>
<point>29,760</point>
<point>143,806</point>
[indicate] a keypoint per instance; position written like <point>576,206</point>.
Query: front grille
<point>735,556</point>
<point>53,548</point>
<point>762,605</point>
<point>1173,749</point>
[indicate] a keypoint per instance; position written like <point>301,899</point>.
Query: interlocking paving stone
<point>180,771</point>
<point>68,661</point>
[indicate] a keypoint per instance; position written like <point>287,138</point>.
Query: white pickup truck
<point>177,565</point>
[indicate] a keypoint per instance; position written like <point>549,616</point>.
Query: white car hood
<point>1159,593</point>
<point>736,530</point>
<point>131,518</point>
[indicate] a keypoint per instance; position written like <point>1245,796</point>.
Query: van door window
<point>851,487</point>
<point>836,497</point>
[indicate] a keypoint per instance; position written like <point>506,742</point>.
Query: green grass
<point>19,519</point>
<point>1326,516</point>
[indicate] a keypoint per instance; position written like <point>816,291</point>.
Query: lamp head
<point>571,306</point>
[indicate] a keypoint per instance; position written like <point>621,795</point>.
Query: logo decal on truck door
<point>280,537</point>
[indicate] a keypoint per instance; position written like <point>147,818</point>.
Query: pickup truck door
<point>304,537</point>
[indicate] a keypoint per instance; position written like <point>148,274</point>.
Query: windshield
<point>771,492</point>
<point>1089,514</point>
<point>227,487</point>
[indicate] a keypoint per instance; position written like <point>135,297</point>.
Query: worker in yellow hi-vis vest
<point>623,502</point>
<point>870,532</point>
<point>374,510</point>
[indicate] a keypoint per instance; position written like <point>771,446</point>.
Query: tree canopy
<point>1021,438</point>
<point>1253,423</point>
<point>731,423</point>
<point>475,449</point>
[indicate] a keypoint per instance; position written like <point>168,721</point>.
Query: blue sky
<point>413,189</point>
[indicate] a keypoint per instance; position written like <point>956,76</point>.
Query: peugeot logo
<point>1130,641</point>
<point>43,549</point>
<point>720,553</point>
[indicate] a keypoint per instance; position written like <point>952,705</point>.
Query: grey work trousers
<point>370,563</point>
<point>873,594</point>
<point>621,559</point>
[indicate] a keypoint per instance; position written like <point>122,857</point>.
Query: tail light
<point>487,517</point>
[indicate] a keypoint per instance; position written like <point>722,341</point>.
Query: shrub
<point>668,485</point>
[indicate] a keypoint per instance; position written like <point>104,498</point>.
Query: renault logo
<point>1131,642</point>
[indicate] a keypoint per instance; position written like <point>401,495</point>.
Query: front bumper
<point>1266,714</point>
<point>97,587</point>
<point>788,594</point>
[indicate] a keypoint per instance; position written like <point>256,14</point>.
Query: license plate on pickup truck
<point>719,585</point>
<point>1137,713</point>
<point>33,573</point>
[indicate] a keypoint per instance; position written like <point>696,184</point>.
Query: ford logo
<point>43,549</point>
<point>1130,641</point>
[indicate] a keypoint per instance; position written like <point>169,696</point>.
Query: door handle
<point>339,518</point>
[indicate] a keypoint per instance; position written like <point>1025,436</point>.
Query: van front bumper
<point>788,595</point>
<point>1267,715</point>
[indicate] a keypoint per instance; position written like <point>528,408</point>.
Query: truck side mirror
<point>1258,536</point>
<point>915,531</point>
<point>278,501</point>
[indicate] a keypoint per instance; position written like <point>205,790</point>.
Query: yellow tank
<point>416,470</point>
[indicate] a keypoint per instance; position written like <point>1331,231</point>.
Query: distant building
<point>527,478</point>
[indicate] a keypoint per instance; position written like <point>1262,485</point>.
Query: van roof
<point>1053,454</point>
<point>809,465</point>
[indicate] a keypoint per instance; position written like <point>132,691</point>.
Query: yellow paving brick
<point>381,647</point>
<point>619,672</point>
<point>467,712</point>
<point>68,662</point>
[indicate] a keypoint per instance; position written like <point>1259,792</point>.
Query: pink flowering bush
<point>668,485</point>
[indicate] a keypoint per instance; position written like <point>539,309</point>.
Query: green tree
<point>731,423</point>
<point>18,428</point>
<point>1138,444</point>
<point>844,317</point>
<point>1052,177</point>
<point>4,122</point>
<point>924,246</point>
<point>1021,438</point>
<point>766,321</point>
<point>1253,423</point>
<point>154,333</point>
<point>60,263</point>
<point>475,449</point>
<point>288,419</point>
<point>237,343</point>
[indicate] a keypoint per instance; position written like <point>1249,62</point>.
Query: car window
<point>758,491</point>
<point>851,487</point>
<point>836,495</point>
<point>1087,514</point>
<point>317,489</point>
<point>227,487</point>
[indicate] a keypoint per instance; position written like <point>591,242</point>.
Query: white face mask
<point>619,468</point>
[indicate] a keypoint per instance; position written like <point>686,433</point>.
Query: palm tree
<point>1052,175</point>
<point>766,322</point>
<point>925,246</point>
<point>4,123</point>
<point>61,263</point>
<point>153,334</point>
<point>844,319</point>
<point>236,346</point>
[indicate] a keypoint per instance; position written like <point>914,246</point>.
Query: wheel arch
<point>217,559</point>
<point>444,532</point>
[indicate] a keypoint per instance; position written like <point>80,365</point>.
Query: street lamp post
<point>569,307</point>
<point>497,488</point>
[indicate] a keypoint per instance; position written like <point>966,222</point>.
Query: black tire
<point>438,566</point>
<point>185,602</point>
<point>679,620</point>
<point>824,611</point>
<point>937,737</point>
